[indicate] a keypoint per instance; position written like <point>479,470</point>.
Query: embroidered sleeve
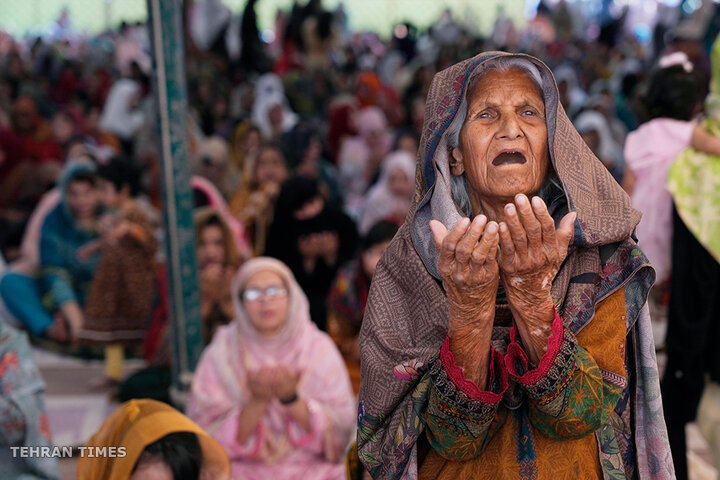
<point>570,395</point>
<point>461,418</point>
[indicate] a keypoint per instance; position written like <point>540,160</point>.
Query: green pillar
<point>165,22</point>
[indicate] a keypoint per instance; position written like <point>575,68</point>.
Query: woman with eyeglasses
<point>271,388</point>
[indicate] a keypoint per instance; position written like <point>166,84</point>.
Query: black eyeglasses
<point>254,294</point>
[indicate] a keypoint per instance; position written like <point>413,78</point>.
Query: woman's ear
<point>457,167</point>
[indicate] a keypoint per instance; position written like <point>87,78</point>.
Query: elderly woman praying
<point>506,332</point>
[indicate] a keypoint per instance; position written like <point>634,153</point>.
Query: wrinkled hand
<point>468,266</point>
<point>285,382</point>
<point>531,250</point>
<point>261,385</point>
<point>531,253</point>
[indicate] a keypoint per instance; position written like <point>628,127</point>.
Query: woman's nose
<point>509,128</point>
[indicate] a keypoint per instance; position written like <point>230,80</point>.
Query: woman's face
<point>82,199</point>
<point>271,167</point>
<point>63,128</point>
<point>400,184</point>
<point>267,314</point>
<point>153,471</point>
<point>211,248</point>
<point>313,150</point>
<point>275,115</point>
<point>374,139</point>
<point>409,144</point>
<point>503,143</point>
<point>252,140</point>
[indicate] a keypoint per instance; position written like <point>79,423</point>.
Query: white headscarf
<point>117,116</point>
<point>381,202</point>
<point>269,91</point>
<point>608,150</point>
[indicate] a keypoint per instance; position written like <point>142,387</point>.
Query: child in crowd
<point>121,296</point>
<point>51,304</point>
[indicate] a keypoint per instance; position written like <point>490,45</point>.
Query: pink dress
<point>278,448</point>
<point>649,152</point>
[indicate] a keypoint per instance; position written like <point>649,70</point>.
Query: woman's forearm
<point>300,413</point>
<point>534,324</point>
<point>470,345</point>
<point>705,142</point>
<point>249,418</point>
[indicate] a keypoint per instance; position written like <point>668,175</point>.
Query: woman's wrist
<point>259,403</point>
<point>534,324</point>
<point>289,400</point>
<point>471,349</point>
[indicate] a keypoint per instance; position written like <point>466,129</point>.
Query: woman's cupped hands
<point>525,250</point>
<point>279,382</point>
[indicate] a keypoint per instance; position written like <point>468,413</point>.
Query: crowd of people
<point>303,154</point>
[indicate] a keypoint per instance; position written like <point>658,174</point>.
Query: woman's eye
<point>529,112</point>
<point>484,115</point>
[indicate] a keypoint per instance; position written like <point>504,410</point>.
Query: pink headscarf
<point>383,204</point>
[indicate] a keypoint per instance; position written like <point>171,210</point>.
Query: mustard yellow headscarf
<point>135,425</point>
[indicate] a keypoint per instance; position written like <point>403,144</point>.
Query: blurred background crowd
<point>303,137</point>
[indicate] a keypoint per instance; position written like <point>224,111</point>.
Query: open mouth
<point>509,157</point>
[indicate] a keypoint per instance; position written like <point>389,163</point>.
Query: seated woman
<point>507,333</point>
<point>217,264</point>
<point>121,297</point>
<point>68,259</point>
<point>349,293</point>
<point>218,261</point>
<point>360,156</point>
<point>159,443</point>
<point>303,151</point>
<point>390,198</point>
<point>254,201</point>
<point>313,238</point>
<point>271,388</point>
